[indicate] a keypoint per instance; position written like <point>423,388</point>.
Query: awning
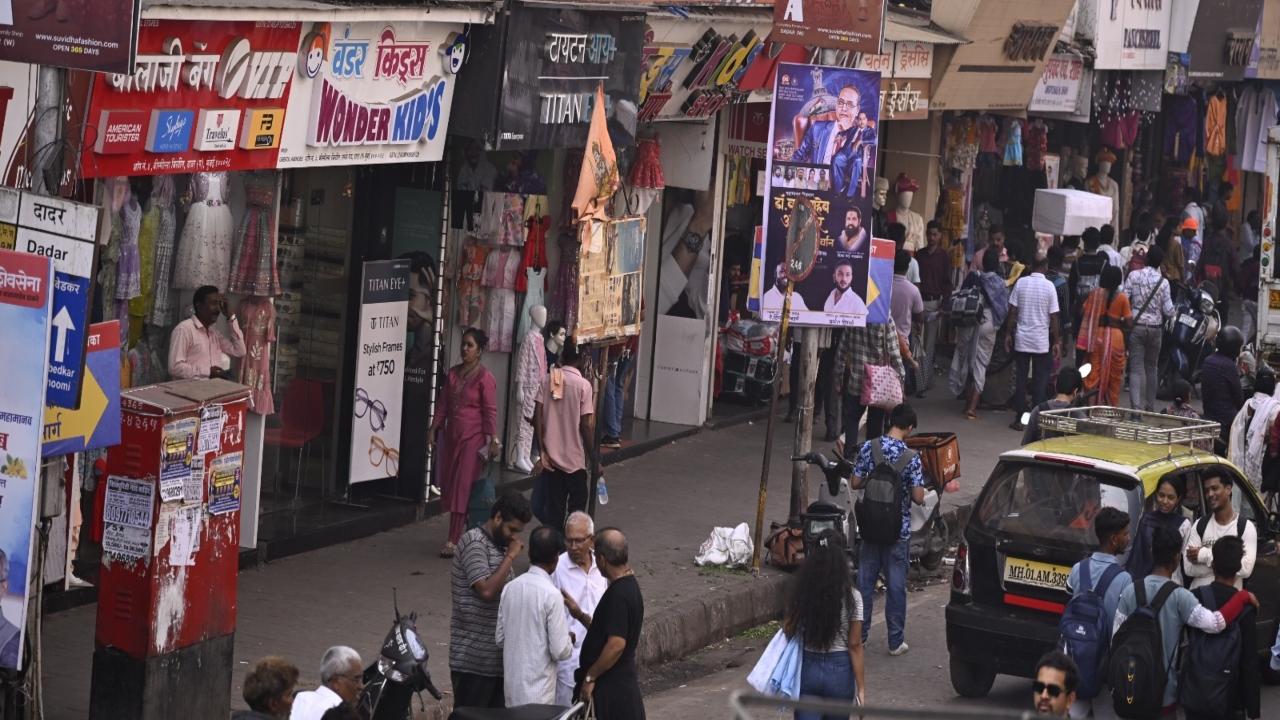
<point>455,11</point>
<point>901,29</point>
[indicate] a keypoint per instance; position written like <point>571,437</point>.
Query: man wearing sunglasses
<point>1054,688</point>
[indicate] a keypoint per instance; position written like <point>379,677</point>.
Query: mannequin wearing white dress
<point>531,368</point>
<point>204,251</point>
<point>1102,184</point>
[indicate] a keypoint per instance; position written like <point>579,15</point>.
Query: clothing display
<point>470,291</point>
<point>128,267</point>
<point>1180,129</point>
<point>500,269</point>
<point>500,319</point>
<point>987,129</point>
<point>564,296</point>
<point>161,204</point>
<point>1215,126</point>
<point>204,252</point>
<point>531,369</point>
<point>535,294</point>
<point>258,318</point>
<point>646,169</point>
<point>254,270</point>
<point>140,305</point>
<point>1013,143</point>
<point>1037,144</point>
<point>535,250</point>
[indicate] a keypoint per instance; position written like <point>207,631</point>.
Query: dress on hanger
<point>141,305</point>
<point>500,311</point>
<point>564,300</point>
<point>1037,144</point>
<point>204,252</point>
<point>470,290</point>
<point>258,315</point>
<point>161,201</point>
<point>1215,126</point>
<point>1013,143</point>
<point>512,228</point>
<point>987,129</point>
<point>129,267</point>
<point>254,267</point>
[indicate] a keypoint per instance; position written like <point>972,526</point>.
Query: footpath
<point>666,502</point>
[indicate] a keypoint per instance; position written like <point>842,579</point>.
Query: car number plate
<point>1035,574</point>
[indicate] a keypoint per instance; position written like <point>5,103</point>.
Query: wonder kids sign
<point>368,93</point>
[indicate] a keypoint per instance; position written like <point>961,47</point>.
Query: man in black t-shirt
<point>607,666</point>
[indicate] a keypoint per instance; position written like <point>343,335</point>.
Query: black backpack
<point>880,509</point>
<point>1137,670</point>
<point>1201,525</point>
<point>1085,629</point>
<point>1210,666</point>
<point>964,307</point>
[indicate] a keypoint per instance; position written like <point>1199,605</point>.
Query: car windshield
<point>1052,502</point>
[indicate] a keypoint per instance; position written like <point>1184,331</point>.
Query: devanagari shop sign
<point>375,92</point>
<point>204,96</point>
<point>66,233</point>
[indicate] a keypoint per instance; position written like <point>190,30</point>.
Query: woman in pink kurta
<point>466,423</point>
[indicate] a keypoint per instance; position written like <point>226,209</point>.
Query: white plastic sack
<point>730,547</point>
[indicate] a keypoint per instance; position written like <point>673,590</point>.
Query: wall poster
<point>610,279</point>
<point>375,421</point>
<point>822,146</point>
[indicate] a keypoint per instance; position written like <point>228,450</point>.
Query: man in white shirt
<point>843,299</point>
<point>579,578</point>
<point>1108,246</point>
<point>774,296</point>
<point>1033,325</point>
<point>532,631</point>
<point>1151,304</point>
<point>341,680</point>
<point>1198,549</point>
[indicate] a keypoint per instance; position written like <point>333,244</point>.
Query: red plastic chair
<point>302,417</point>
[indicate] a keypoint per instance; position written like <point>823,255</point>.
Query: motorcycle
<point>833,510</point>
<point>399,673</point>
<point>1188,335</point>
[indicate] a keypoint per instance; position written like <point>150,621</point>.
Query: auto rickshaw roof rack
<point>1129,424</point>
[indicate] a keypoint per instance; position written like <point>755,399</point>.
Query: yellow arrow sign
<point>62,423</point>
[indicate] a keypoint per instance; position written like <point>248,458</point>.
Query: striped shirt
<point>1138,287</point>
<point>472,628</point>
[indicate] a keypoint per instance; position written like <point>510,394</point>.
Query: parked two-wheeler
<point>1188,335</point>
<point>399,673</point>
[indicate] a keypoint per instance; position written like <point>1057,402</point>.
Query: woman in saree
<point>1104,320</point>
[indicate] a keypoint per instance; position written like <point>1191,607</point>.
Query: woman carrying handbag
<point>866,365</point>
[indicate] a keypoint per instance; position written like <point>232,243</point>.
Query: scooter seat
<point>522,712</point>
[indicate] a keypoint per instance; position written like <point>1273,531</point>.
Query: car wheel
<point>970,679</point>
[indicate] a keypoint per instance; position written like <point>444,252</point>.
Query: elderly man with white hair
<point>579,579</point>
<point>341,680</point>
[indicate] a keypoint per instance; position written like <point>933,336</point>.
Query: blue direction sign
<point>65,232</point>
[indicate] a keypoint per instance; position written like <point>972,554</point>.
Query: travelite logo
<point>1036,574</point>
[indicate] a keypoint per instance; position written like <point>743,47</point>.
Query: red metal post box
<point>170,527</point>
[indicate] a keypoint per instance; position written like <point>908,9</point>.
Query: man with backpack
<point>1095,584</point>
<point>1150,617</point>
<point>1220,677</point>
<point>1223,522</point>
<point>891,476</point>
<point>1086,274</point>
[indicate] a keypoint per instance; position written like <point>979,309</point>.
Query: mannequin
<point>531,368</point>
<point>879,221</point>
<point>1102,184</point>
<point>556,334</point>
<point>906,188</point>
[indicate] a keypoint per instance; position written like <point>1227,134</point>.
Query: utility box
<point>170,538</point>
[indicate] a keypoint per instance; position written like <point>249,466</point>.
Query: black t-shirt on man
<point>621,614</point>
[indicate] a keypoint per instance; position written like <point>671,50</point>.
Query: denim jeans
<point>1144,361</point>
<point>614,399</point>
<point>827,675</point>
<point>891,561</point>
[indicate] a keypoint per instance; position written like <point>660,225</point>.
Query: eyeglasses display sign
<point>376,410</point>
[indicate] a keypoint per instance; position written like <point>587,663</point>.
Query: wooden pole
<point>809,339</point>
<point>768,432</point>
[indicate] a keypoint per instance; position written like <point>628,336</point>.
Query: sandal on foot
<point>448,550</point>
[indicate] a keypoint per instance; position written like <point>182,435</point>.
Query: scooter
<point>399,673</point>
<point>1189,334</point>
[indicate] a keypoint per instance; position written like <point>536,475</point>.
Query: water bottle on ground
<point>602,492</point>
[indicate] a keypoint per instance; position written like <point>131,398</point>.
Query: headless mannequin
<point>880,221</point>
<point>908,217</point>
<point>1102,184</point>
<point>531,368</point>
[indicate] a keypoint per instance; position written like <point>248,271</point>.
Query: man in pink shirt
<point>565,425</point>
<point>196,349</point>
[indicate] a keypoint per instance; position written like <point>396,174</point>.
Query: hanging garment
<point>1037,144</point>
<point>1013,143</point>
<point>204,252</point>
<point>492,207</point>
<point>254,270</point>
<point>953,220</point>
<point>500,269</point>
<point>140,307</point>
<point>646,170</point>
<point>564,299</point>
<point>1215,126</point>
<point>1264,117</point>
<point>512,230</point>
<point>1180,128</point>
<point>987,129</point>
<point>534,282</point>
<point>471,293</point>
<point>499,318</point>
<point>535,250</point>
<point>1119,131</point>
<point>258,320</point>
<point>162,192</point>
<point>129,264</point>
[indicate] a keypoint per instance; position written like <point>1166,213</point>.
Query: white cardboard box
<point>1069,212</point>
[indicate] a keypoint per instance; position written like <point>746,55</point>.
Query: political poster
<point>822,146</point>
<point>26,294</point>
<point>375,414</point>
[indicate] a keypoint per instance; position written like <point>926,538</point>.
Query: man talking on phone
<point>196,348</point>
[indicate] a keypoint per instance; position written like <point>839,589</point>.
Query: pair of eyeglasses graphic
<point>380,455</point>
<point>375,409</point>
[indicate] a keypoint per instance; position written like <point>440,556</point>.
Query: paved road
<point>918,679</point>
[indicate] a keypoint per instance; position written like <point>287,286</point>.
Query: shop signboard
<point>1129,35</point>
<point>66,232</point>
<point>26,292</point>
<point>683,82</point>
<point>856,25</point>
<point>899,60</point>
<point>1059,86</point>
<point>904,99</point>
<point>371,93</point>
<point>380,353</point>
<point>16,82</point>
<point>96,423</point>
<point>101,36</point>
<point>204,96</point>
<point>748,132</point>
<point>822,147</point>
<point>1222,39</point>
<point>1268,49</point>
<point>555,60</point>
